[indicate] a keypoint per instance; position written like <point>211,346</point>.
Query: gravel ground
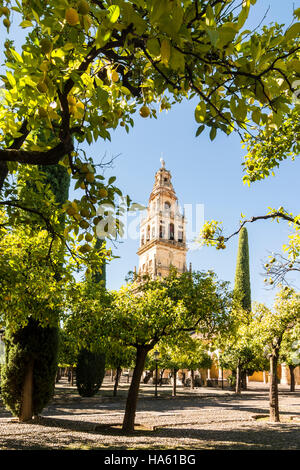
<point>203,418</point>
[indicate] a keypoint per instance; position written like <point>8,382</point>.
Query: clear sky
<point>203,172</point>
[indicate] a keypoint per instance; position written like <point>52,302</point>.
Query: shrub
<point>35,344</point>
<point>90,371</point>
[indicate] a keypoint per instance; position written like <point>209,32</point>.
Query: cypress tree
<point>33,350</point>
<point>90,371</point>
<point>90,365</point>
<point>28,377</point>
<point>242,286</point>
<point>242,292</point>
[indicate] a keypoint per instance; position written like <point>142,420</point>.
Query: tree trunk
<point>238,380</point>
<point>72,375</point>
<point>192,379</point>
<point>273,391</point>
<point>174,382</point>
<point>161,377</point>
<point>118,375</point>
<point>292,383</point>
<point>244,380</point>
<point>26,412</point>
<point>131,403</point>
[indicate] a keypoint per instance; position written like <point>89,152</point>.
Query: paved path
<point>204,418</point>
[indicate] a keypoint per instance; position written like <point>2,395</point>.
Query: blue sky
<point>203,172</point>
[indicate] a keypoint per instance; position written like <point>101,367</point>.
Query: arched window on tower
<point>180,236</point>
<point>167,206</point>
<point>171,231</point>
<point>148,233</point>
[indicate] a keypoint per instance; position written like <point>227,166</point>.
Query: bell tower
<point>162,231</point>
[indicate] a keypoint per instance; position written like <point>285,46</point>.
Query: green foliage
<point>90,371</point>
<point>149,311</point>
<point>190,353</point>
<point>78,78</point>
<point>100,276</point>
<point>276,327</point>
<point>67,350</point>
<point>270,147</point>
<point>86,305</point>
<point>32,272</point>
<point>243,352</point>
<point>28,277</point>
<point>58,178</point>
<point>31,343</point>
<point>242,286</point>
<point>117,355</point>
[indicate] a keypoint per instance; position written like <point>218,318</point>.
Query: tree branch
<point>49,157</point>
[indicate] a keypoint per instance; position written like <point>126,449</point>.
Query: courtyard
<point>205,418</point>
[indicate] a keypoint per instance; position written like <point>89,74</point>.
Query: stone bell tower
<point>162,232</point>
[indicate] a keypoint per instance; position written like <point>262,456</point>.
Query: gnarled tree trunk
<point>174,382</point>
<point>292,375</point>
<point>131,403</point>
<point>192,379</point>
<point>273,393</point>
<point>117,379</point>
<point>238,379</point>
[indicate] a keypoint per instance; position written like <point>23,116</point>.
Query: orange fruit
<point>42,87</point>
<point>103,192</point>
<point>42,113</point>
<point>89,237</point>
<point>114,76</point>
<point>90,178</point>
<point>83,7</point>
<point>71,16</point>
<point>46,46</point>
<point>6,22</point>
<point>144,111</point>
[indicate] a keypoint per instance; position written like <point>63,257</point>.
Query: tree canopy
<point>86,67</point>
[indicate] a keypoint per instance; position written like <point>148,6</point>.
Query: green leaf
<point>112,179</point>
<point>11,79</point>
<point>26,24</point>
<point>213,133</point>
<point>16,55</point>
<point>153,47</point>
<point>177,61</point>
<point>293,32</point>
<point>165,51</point>
<point>113,13</point>
<point>256,116</point>
<point>200,112</point>
<point>200,130</point>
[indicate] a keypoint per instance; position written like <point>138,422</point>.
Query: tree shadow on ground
<point>243,436</point>
<point>250,403</point>
<point>270,436</point>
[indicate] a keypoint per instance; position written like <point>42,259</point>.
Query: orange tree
<point>85,67</point>
<point>273,329</point>
<point>147,312</point>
